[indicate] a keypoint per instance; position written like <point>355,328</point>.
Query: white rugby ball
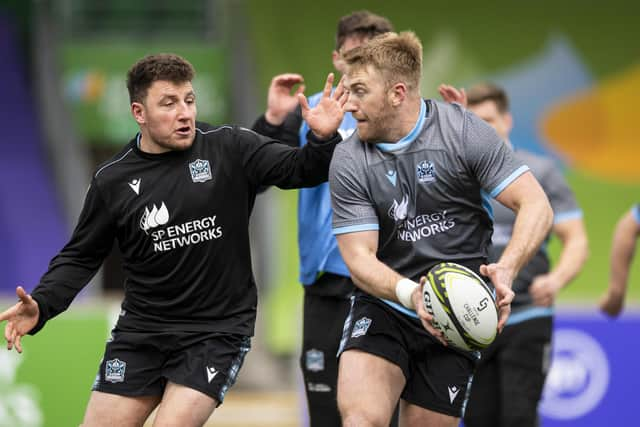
<point>462,305</point>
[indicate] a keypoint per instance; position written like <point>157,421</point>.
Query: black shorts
<point>141,363</point>
<point>437,377</point>
<point>510,377</point>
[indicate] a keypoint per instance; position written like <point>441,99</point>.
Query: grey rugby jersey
<point>428,194</point>
<point>564,207</point>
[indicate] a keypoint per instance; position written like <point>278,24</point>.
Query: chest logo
<point>392,177</point>
<point>426,171</point>
<point>154,218</point>
<point>398,211</point>
<point>200,170</point>
<point>135,185</point>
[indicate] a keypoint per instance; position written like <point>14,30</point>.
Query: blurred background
<point>571,68</point>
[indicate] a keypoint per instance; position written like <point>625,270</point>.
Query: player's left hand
<point>502,279</point>
<point>324,119</point>
<point>543,290</point>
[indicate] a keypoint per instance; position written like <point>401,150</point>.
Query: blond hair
<point>398,57</point>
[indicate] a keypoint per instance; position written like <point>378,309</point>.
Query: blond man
<point>409,190</point>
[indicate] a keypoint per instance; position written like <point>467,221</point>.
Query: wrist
<point>274,119</point>
<point>404,291</point>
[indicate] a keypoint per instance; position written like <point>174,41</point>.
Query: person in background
<point>508,382</point>
<point>323,273</point>
<point>623,249</point>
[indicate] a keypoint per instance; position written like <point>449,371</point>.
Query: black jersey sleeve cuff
<point>313,139</point>
<point>43,315</point>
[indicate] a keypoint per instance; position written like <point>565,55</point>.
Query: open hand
<point>324,119</point>
<point>280,100</point>
<point>22,317</point>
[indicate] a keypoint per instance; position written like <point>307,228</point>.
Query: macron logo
<point>391,176</point>
<point>453,392</point>
<point>211,373</point>
<point>135,185</point>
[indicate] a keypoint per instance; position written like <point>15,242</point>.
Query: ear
<point>138,113</point>
<point>397,94</point>
<point>508,119</point>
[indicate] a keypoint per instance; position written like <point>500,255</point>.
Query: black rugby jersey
<point>181,220</point>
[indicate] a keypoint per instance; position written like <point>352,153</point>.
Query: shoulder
<point>116,164</point>
<point>209,131</point>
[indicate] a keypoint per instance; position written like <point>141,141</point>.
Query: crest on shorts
<point>425,171</point>
<point>200,170</point>
<point>314,360</point>
<point>361,327</point>
<point>114,370</point>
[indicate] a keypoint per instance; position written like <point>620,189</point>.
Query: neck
<point>406,117</point>
<point>148,145</point>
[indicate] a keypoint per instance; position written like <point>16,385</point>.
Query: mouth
<point>184,131</point>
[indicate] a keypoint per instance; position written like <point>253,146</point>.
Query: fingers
<point>17,343</point>
<point>304,104</point>
<point>300,90</point>
<point>23,295</point>
<point>328,86</point>
<point>339,89</point>
<point>504,315</point>
<point>287,79</point>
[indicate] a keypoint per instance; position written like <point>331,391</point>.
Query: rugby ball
<point>462,305</point>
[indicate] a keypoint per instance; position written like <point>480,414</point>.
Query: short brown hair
<point>164,66</point>
<point>362,24</point>
<point>483,92</point>
<point>397,56</point>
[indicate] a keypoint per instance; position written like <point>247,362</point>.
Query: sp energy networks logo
<point>154,222</point>
<point>578,378</point>
<point>412,229</point>
<point>154,217</point>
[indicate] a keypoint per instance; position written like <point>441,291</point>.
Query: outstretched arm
<point>622,252</point>
<point>21,318</point>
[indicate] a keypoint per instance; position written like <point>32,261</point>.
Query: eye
<point>168,104</point>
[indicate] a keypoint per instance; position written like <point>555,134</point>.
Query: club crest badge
<point>200,170</point>
<point>361,327</point>
<point>114,370</point>
<point>314,360</point>
<point>426,172</point>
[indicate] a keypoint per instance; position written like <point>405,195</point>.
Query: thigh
<point>106,410</point>
<point>132,364</point>
<point>416,416</point>
<point>368,388</point>
<point>523,365</point>
<point>440,378</point>
<point>207,362</point>
<point>184,406</point>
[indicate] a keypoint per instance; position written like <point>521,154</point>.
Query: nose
<point>350,105</point>
<point>186,110</point>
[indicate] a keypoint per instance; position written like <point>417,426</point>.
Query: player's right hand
<point>280,100</point>
<point>423,314</point>
<point>611,304</point>
<point>21,318</point>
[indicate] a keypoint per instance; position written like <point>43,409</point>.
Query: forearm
<point>622,252</point>
<point>533,222</point>
<point>374,277</point>
<point>572,258</point>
